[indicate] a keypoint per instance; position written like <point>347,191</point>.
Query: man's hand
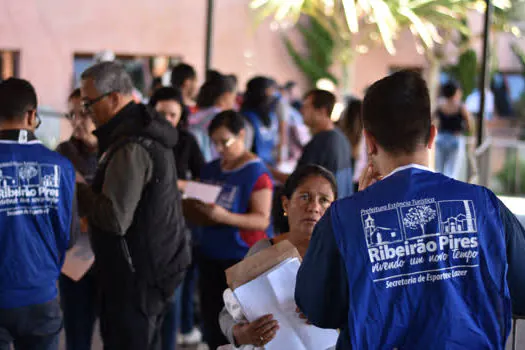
<point>79,178</point>
<point>259,332</point>
<point>370,176</point>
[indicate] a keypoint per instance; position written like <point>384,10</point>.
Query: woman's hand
<point>259,332</point>
<point>216,213</point>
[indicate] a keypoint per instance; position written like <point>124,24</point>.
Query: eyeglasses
<point>38,120</point>
<point>73,116</point>
<point>224,143</point>
<point>87,104</point>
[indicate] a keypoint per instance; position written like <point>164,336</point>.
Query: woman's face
<point>82,123</point>
<point>227,144</point>
<point>308,204</point>
<point>171,110</point>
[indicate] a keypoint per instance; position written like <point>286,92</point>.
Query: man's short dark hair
<point>17,97</point>
<point>396,111</point>
<point>180,73</point>
<point>322,99</point>
<point>230,119</point>
<point>74,94</point>
<point>166,94</point>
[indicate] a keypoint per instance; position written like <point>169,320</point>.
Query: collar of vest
<point>18,136</point>
<point>409,166</point>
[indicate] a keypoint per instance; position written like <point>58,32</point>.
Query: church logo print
<point>380,228</point>
<point>8,177</point>
<point>458,217</point>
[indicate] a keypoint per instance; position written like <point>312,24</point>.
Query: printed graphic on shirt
<point>227,196</point>
<point>28,188</point>
<point>421,241</point>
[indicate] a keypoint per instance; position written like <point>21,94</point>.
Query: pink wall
<point>48,33</point>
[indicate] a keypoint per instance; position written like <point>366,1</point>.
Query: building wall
<point>48,33</point>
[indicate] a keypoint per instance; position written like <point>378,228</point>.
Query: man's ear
<point>432,138</point>
<point>371,143</point>
<point>31,119</point>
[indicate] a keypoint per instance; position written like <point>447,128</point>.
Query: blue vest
<point>225,242</point>
<point>36,195</point>
<point>426,264</point>
<point>265,138</point>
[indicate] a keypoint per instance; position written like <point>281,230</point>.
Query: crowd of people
<point>395,256</point>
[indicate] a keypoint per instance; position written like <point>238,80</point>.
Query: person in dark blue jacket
<point>415,260</point>
<point>37,217</point>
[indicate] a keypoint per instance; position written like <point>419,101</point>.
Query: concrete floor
<point>520,344</point>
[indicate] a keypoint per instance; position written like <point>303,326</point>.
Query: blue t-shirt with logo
<point>416,261</point>
<point>36,210</point>
<point>226,242</point>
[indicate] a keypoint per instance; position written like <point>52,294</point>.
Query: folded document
<point>273,293</point>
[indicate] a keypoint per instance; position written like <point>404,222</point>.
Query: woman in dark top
<point>452,119</point>
<point>77,298</point>
<point>189,160</point>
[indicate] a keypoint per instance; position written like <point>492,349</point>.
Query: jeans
<point>447,150</point>
<point>187,315</point>
<point>78,300</point>
<point>171,322</point>
<point>34,327</point>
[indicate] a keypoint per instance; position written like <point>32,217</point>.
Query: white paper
<point>273,293</point>
<point>203,192</point>
<point>79,259</point>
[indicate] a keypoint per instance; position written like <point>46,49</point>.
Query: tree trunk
<point>347,81</point>
<point>423,229</point>
<point>433,79</point>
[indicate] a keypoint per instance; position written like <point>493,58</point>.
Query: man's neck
<point>14,126</point>
<point>419,158</point>
<point>324,125</point>
<point>188,101</point>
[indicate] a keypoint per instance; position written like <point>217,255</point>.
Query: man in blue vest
<point>415,260</point>
<point>37,215</point>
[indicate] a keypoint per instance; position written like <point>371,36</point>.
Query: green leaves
<point>316,61</point>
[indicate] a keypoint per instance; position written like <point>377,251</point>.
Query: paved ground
<point>520,346</point>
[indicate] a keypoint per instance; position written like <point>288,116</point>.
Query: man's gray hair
<point>109,77</point>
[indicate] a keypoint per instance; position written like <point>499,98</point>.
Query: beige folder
<point>253,266</point>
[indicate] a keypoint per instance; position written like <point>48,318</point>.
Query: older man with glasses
<point>138,234</point>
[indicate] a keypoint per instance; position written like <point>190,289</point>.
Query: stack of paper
<point>273,293</point>
<point>204,192</point>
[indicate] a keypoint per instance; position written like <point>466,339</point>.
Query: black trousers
<point>125,326</point>
<point>212,283</point>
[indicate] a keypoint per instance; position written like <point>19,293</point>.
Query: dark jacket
<point>138,234</point>
<point>83,159</point>
<point>188,156</point>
